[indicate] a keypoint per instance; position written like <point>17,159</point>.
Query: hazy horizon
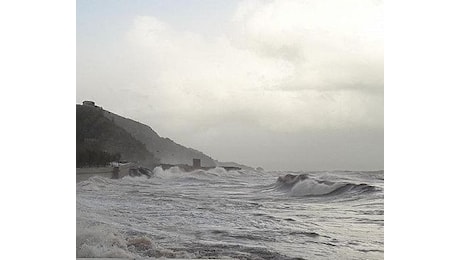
<point>285,85</point>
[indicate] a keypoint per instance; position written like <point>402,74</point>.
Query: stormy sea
<point>232,215</point>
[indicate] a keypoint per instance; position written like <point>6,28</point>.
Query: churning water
<point>236,214</point>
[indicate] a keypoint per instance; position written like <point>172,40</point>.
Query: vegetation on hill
<point>163,148</point>
<point>100,141</point>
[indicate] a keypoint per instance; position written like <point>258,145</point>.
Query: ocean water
<point>232,215</point>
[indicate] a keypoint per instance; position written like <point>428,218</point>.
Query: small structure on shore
<point>196,163</point>
<point>116,172</point>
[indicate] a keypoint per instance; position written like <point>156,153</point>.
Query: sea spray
<point>236,214</point>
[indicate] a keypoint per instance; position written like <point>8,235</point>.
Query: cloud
<point>285,66</point>
<point>333,44</point>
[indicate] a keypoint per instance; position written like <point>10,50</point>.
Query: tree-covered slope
<point>100,140</point>
<point>162,148</point>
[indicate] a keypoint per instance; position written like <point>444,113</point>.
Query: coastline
<point>83,174</point>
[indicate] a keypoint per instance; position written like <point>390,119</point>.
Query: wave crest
<point>302,185</point>
<point>105,242</point>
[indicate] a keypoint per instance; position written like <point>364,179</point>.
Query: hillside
<point>165,149</point>
<point>99,141</point>
<point>142,142</point>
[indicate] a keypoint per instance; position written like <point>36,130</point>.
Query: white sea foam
<point>101,241</point>
<point>219,214</point>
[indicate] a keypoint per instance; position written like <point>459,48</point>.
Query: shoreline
<point>83,174</point>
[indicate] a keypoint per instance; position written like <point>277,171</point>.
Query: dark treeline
<point>91,158</point>
<point>100,141</point>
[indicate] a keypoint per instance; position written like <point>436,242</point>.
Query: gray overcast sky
<point>294,85</point>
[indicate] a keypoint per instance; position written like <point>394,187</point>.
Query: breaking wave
<point>103,242</point>
<point>214,173</point>
<point>219,214</point>
<point>302,185</point>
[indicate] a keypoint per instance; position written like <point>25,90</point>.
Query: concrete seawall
<point>107,172</point>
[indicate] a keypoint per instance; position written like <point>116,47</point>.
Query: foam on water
<point>101,241</point>
<point>236,214</point>
<point>303,185</point>
<point>97,241</point>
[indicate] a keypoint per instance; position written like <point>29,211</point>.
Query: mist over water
<point>236,214</point>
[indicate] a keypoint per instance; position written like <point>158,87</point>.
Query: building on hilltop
<point>89,103</point>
